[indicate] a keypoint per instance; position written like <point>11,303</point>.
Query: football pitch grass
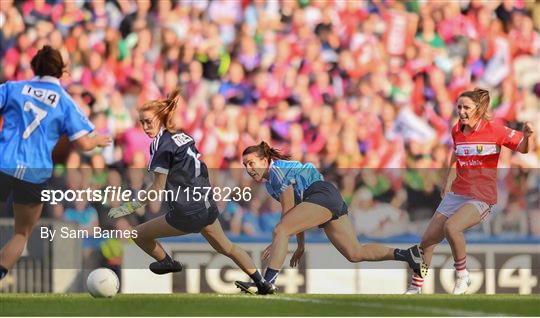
<point>275,305</point>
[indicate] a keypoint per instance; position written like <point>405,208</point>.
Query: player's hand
<point>266,252</point>
<point>295,259</point>
<point>125,209</point>
<point>527,129</point>
<point>103,140</point>
<point>120,211</point>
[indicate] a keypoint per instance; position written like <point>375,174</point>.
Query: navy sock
<point>257,278</point>
<point>3,272</point>
<point>401,255</point>
<point>271,274</point>
<point>167,259</point>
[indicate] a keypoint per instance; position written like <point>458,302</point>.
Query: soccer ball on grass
<point>102,282</point>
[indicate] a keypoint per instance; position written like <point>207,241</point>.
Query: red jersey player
<point>477,144</point>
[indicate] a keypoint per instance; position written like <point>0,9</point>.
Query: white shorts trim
<point>452,202</point>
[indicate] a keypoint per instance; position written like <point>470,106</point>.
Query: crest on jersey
<point>479,148</point>
<point>181,139</point>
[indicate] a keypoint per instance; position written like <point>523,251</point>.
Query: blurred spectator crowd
<point>362,89</point>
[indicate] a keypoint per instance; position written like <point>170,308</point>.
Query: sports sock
<point>461,265</point>
<point>167,259</point>
<point>270,275</point>
<point>417,281</point>
<point>3,272</point>
<point>257,278</point>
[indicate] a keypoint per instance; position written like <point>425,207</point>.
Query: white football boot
<point>413,290</point>
<point>462,283</point>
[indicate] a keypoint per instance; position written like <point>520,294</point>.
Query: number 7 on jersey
<point>40,114</point>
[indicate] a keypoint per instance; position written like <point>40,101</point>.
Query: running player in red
<point>477,144</point>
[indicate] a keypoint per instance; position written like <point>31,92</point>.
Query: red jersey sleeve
<point>455,130</point>
<point>508,137</point>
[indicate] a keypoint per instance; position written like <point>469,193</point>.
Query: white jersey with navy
<point>176,156</point>
<point>36,113</point>
<point>285,173</point>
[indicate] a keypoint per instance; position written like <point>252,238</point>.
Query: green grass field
<point>278,305</point>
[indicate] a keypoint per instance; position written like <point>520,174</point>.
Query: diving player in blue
<point>35,114</point>
<point>175,164</point>
<point>308,201</point>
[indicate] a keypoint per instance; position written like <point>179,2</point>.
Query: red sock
<point>460,265</point>
<point>417,281</point>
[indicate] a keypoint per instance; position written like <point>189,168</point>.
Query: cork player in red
<point>467,200</point>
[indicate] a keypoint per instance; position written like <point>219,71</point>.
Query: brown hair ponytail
<point>48,62</point>
<point>165,109</point>
<point>481,99</point>
<point>263,150</point>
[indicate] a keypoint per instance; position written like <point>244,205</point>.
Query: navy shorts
<point>23,192</point>
<point>325,194</point>
<point>192,223</point>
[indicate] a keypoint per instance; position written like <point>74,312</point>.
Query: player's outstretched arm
<point>300,247</point>
<point>287,200</point>
<point>527,132</point>
<point>449,176</point>
<point>287,204</point>
<point>87,142</point>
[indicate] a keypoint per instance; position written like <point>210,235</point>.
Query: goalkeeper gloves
<point>125,209</point>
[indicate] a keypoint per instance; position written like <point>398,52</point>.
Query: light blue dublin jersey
<point>36,113</point>
<point>284,173</point>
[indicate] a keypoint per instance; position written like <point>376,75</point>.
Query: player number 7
<point>40,114</point>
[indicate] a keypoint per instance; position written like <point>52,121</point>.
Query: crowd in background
<point>365,90</point>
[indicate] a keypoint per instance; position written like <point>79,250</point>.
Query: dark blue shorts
<point>23,192</point>
<point>325,194</point>
<point>192,223</point>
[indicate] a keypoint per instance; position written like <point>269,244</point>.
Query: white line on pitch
<point>374,304</point>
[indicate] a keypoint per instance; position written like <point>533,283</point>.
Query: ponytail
<point>481,99</point>
<point>165,109</point>
<point>263,150</point>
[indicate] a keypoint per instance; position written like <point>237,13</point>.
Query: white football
<point>102,282</point>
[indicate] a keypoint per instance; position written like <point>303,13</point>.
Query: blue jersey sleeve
<point>76,124</point>
<point>283,174</point>
<point>3,96</point>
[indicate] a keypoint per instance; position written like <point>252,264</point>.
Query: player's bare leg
<point>220,242</point>
<point>147,233</point>
<point>467,216</point>
<point>433,235</point>
<point>304,216</point>
<point>26,217</point>
<point>342,235</point>
<point>214,234</point>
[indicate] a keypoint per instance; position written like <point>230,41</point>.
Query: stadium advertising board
<point>495,269</point>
